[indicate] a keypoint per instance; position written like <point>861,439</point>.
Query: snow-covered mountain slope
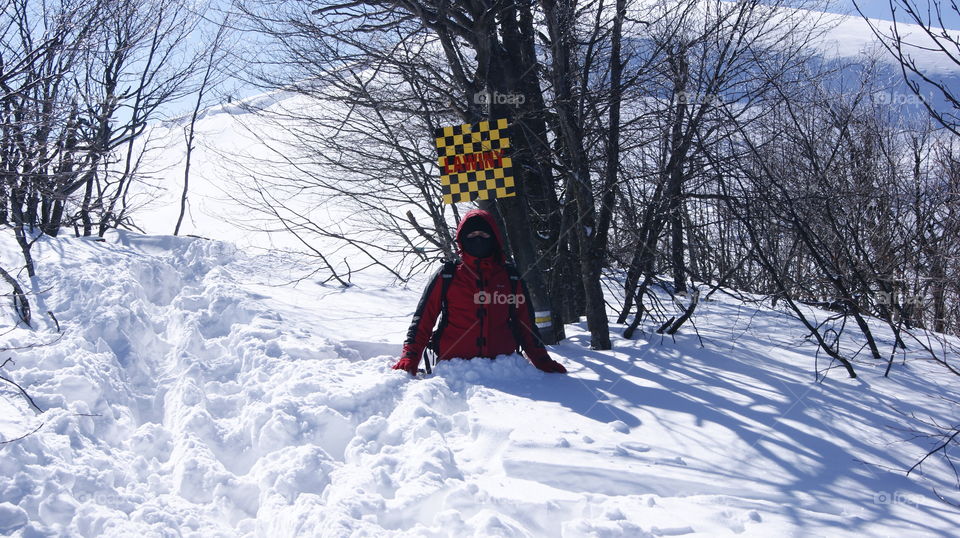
<point>190,395</point>
<point>849,36</point>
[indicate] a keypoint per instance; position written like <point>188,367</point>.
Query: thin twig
<point>935,450</point>
<point>54,318</point>
<point>24,436</point>
<point>27,396</point>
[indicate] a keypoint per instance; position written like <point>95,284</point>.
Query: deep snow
<point>223,404</point>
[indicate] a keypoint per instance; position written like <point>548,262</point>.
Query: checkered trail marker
<point>473,161</point>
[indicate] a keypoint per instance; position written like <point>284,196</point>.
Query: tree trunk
<point>609,192</point>
<point>560,24</point>
<point>532,167</point>
<point>675,171</point>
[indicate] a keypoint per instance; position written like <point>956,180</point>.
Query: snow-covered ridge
<point>847,36</point>
<point>190,395</point>
<point>233,107</point>
<point>850,36</point>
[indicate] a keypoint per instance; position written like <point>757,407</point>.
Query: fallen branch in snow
<point>35,430</point>
<point>20,304</point>
<point>33,345</point>
<point>942,447</point>
<point>944,499</point>
<point>15,384</point>
<point>24,436</point>
<point>945,434</point>
<point>938,449</point>
<point>54,318</point>
<point>31,432</point>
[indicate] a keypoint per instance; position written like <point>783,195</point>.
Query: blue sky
<point>881,9</point>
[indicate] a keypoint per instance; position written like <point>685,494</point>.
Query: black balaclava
<point>478,247</point>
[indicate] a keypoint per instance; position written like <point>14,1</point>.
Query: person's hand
<point>408,364</point>
<point>549,365</point>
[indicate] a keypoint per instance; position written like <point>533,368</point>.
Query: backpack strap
<point>514,285</point>
<point>446,275</point>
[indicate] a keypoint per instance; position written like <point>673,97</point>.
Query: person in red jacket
<point>478,306</point>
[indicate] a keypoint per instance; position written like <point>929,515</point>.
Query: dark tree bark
<point>560,24</point>
<point>20,303</point>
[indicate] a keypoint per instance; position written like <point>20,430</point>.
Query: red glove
<point>407,363</point>
<point>549,365</point>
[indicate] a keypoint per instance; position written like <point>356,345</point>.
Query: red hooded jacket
<point>478,308</point>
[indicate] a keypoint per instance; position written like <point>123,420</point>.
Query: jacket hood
<point>486,216</point>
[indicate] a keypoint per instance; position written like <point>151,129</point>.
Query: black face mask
<point>478,247</point>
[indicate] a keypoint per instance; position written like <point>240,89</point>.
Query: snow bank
<point>188,395</point>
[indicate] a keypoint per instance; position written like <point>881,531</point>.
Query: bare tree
<point>720,62</point>
<point>80,81</point>
<point>933,38</point>
<point>437,54</point>
<point>214,57</point>
<point>37,108</point>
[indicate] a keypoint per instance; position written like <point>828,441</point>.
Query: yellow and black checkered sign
<point>473,162</point>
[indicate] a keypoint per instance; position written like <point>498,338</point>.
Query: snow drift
<point>188,394</point>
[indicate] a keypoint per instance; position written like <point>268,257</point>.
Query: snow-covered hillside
<point>190,395</point>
